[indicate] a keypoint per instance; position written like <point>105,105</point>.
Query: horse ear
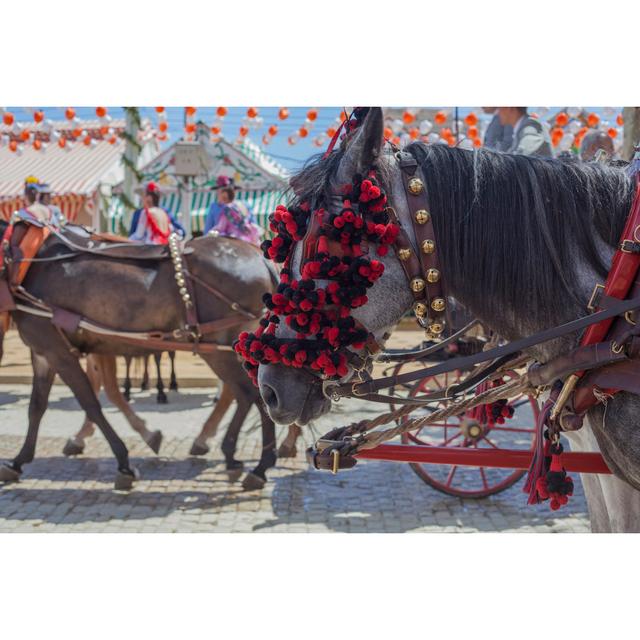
<point>365,146</point>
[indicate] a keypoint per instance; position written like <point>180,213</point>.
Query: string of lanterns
<point>567,128</point>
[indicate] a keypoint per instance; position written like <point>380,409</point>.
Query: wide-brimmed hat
<point>152,187</point>
<point>224,181</point>
<point>31,182</point>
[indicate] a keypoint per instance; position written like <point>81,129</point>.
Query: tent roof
<point>249,166</point>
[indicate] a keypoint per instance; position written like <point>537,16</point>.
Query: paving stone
<point>178,493</point>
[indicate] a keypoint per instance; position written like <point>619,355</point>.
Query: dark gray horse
<point>132,295</point>
<point>522,241</point>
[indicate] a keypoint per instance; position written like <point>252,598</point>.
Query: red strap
<point>622,274</point>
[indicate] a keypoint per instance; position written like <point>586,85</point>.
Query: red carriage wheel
<point>467,431</point>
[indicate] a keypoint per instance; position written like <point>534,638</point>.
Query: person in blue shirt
<point>151,200</point>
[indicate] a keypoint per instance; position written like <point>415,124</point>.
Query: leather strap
<point>466,362</point>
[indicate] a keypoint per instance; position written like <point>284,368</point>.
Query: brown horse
<point>140,295</point>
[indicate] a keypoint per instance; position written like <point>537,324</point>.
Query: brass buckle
<point>335,454</point>
<point>591,306</point>
<point>625,243</point>
<point>354,392</point>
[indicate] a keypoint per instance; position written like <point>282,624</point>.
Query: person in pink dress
<point>236,219</point>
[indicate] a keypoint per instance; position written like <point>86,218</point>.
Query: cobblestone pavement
<point>179,493</point>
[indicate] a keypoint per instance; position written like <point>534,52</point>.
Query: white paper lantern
<point>466,143</point>
<point>574,112</point>
<point>425,127</point>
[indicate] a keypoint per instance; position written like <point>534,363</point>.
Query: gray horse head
<point>292,395</point>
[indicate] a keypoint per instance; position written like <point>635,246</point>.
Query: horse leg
<point>210,427</point>
<point>68,367</point>
<point>173,383</point>
<point>127,379</point>
<point>288,447</point>
<point>108,373</point>
<point>75,445</point>
<point>230,441</point>
<point>144,385</point>
<point>257,478</point>
<point>161,398</point>
<point>43,376</point>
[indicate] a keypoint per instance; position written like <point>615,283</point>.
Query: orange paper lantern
<point>312,114</point>
<point>38,116</point>
<point>8,118</point>
<point>77,132</point>
<point>70,113</point>
<point>215,130</point>
<point>221,112</point>
<point>37,144</point>
<point>440,117</point>
<point>414,133</point>
<point>273,130</point>
<point>252,112</point>
<point>445,133</point>
<point>104,130</point>
<point>471,120</point>
<point>388,133</point>
<point>24,135</point>
<point>612,132</point>
<point>160,109</point>
<point>190,127</point>
<point>101,112</point>
<point>343,116</point>
<point>408,117</point>
<point>13,145</point>
<point>62,142</point>
<point>190,111</point>
<point>396,141</point>
<point>472,132</point>
<point>593,120</point>
<point>163,126</point>
<point>619,120</point>
<point>86,141</point>
<point>291,140</point>
<point>477,143</point>
<point>331,131</point>
<point>303,132</point>
<point>244,131</point>
<point>112,140</point>
<point>283,114</point>
<point>562,119</point>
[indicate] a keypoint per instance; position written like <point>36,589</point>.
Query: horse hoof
<point>173,386</point>
<point>124,480</point>
<point>252,482</point>
<point>127,395</point>
<point>155,441</point>
<point>73,448</point>
<point>162,399</point>
<point>8,473</point>
<point>198,449</point>
<point>285,451</point>
<point>234,473</point>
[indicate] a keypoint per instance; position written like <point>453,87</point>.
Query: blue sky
<point>290,156</point>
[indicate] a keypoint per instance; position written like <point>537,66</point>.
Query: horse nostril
<point>269,396</point>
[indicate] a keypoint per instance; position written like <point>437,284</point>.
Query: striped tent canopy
<point>259,179</point>
<point>73,173</point>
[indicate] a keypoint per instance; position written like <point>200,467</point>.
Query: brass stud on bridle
<point>438,304</point>
<point>416,186</point>
<point>433,275</point>
<point>417,285</point>
<point>436,328</point>
<point>428,246</point>
<point>420,309</point>
<point>404,254</point>
<point>422,216</point>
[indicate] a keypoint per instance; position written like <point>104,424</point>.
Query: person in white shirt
<point>530,136</point>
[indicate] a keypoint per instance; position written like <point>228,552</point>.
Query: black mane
<point>516,227</point>
<point>512,229</point>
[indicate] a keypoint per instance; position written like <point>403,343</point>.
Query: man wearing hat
<point>224,185</point>
<point>33,211</point>
<point>151,224</point>
<point>57,217</point>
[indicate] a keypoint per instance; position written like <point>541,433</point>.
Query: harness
<point>604,363</point>
<point>22,242</point>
